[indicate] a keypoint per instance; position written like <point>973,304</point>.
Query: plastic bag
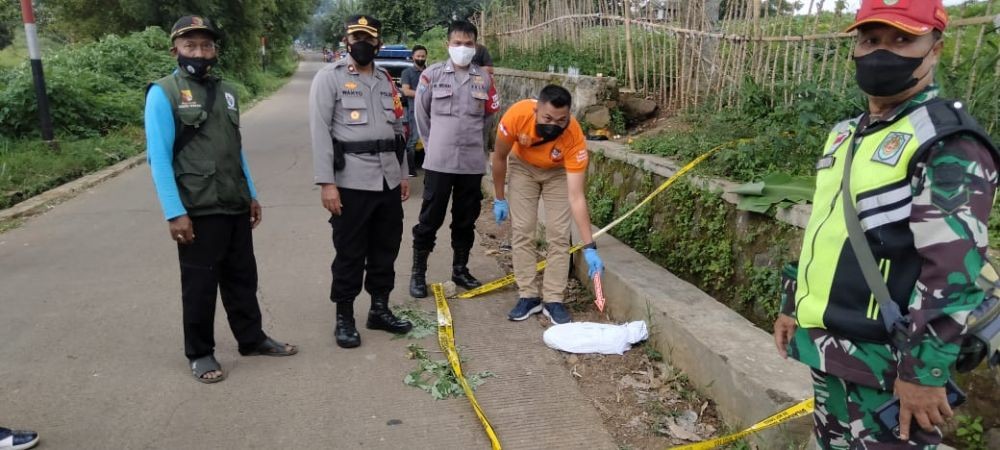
<point>589,337</point>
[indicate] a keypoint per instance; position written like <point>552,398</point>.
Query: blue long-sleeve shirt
<point>160,135</point>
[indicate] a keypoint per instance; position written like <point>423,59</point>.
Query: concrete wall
<point>515,85</point>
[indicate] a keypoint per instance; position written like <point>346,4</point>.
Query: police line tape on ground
<point>798,410</point>
<point>446,338</point>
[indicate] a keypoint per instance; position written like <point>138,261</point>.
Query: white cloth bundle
<point>589,337</point>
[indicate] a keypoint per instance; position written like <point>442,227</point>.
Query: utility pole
<point>35,54</point>
<point>263,53</point>
<point>630,63</point>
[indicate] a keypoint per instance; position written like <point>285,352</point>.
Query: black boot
<point>418,276</point>
<point>460,273</point>
<point>346,333</point>
<point>381,318</point>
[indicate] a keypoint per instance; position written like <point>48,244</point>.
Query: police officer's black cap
<point>188,24</point>
<point>364,23</point>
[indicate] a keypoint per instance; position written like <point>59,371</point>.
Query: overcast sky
<point>852,5</point>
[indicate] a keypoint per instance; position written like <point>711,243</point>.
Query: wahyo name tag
<point>826,162</point>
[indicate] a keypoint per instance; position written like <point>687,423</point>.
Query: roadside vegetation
<point>97,67</point>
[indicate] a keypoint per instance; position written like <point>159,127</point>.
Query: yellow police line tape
<point>802,408</point>
<point>509,279</point>
<point>446,338</point>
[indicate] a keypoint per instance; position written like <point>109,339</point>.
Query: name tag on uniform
<point>825,163</point>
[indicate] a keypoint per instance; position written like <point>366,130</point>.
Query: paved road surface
<point>91,353</point>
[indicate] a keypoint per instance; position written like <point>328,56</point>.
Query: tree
<point>9,15</point>
<point>401,18</point>
<point>456,9</point>
<point>332,23</point>
<point>770,8</point>
<point>242,22</point>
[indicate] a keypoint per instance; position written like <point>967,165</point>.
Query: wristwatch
<point>592,245</point>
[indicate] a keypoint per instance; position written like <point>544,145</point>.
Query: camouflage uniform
<point>952,190</point>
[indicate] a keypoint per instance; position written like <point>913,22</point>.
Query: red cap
<point>912,16</point>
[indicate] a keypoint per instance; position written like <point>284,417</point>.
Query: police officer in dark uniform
<point>355,116</point>
<point>208,197</point>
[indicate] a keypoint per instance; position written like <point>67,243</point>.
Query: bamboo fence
<point>697,53</point>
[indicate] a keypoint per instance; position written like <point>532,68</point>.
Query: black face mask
<point>883,73</point>
<point>197,67</point>
<point>420,62</point>
<point>362,52</point>
<point>548,132</point>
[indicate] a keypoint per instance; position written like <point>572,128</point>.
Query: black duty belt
<point>380,146</point>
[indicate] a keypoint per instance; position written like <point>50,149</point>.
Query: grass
<point>10,224</point>
<point>30,167</point>
<point>17,52</point>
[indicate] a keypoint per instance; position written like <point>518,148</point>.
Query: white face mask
<point>461,55</point>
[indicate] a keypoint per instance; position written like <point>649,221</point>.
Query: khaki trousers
<point>527,185</point>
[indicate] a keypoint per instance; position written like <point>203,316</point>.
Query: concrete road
<point>91,353</point>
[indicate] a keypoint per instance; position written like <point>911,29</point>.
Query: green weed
<point>423,321</point>
<point>970,432</point>
<point>436,377</point>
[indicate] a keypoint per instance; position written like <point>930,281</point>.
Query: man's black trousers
<point>465,206</point>
<point>366,237</point>
<point>220,259</point>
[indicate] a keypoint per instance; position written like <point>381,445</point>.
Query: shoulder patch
<point>838,140</point>
<point>891,148</point>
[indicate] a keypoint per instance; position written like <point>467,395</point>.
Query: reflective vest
<point>208,170</point>
<point>832,293</point>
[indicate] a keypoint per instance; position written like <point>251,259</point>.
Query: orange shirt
<point>517,127</point>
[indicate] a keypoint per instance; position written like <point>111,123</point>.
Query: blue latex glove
<point>501,211</point>
<point>594,263</point>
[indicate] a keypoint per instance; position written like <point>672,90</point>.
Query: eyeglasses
<point>204,46</point>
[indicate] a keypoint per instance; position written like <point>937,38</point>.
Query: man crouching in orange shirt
<point>549,163</point>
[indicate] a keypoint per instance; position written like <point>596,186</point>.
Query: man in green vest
<point>208,198</point>
<point>922,177</point>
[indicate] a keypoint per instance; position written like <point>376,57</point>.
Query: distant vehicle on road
<point>395,58</point>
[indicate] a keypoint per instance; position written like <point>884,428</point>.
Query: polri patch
<point>838,141</point>
<point>891,148</point>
